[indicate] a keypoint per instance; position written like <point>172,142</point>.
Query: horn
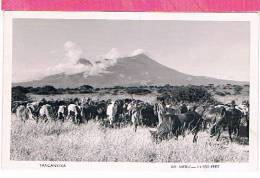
<point>152,130</point>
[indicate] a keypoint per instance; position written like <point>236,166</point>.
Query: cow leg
<point>195,137</point>
<point>230,133</point>
<point>68,116</point>
<point>204,125</point>
<point>177,134</point>
<point>219,132</point>
<point>184,130</point>
<point>62,117</point>
<point>247,127</point>
<point>135,127</point>
<point>45,119</point>
<point>77,120</point>
<point>36,120</point>
<point>238,131</point>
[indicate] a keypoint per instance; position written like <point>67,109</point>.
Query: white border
<point>253,18</point>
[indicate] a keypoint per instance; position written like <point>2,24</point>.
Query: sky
<point>43,47</point>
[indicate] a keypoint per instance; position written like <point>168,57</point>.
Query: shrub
<point>85,89</point>
<point>137,91</point>
<point>19,93</point>
<point>227,93</point>
<point>46,90</point>
<point>237,89</point>
<point>188,93</point>
<point>220,93</point>
<point>118,87</point>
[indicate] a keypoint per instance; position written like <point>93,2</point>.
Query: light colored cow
<point>244,109</point>
<point>62,112</point>
<point>160,111</point>
<point>45,112</point>
<point>136,116</point>
<point>111,112</point>
<point>74,113</point>
<point>22,113</point>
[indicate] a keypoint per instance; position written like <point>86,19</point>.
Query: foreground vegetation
<point>58,141</point>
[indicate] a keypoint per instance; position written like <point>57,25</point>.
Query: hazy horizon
<point>50,46</point>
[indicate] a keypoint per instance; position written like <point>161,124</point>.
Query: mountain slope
<point>128,71</point>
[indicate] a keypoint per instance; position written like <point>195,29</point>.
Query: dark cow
<point>93,110</point>
<point>227,118</point>
<point>178,124</point>
<point>101,110</point>
<point>88,112</point>
<point>184,108</point>
<point>233,117</point>
<point>190,121</point>
<point>148,117</point>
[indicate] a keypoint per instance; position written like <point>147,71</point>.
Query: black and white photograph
<point>131,90</point>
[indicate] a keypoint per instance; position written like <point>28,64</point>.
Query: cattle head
<point>153,133</point>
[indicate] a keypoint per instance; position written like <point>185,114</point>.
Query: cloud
<point>72,51</point>
<point>73,54</point>
<point>112,54</point>
<point>137,52</point>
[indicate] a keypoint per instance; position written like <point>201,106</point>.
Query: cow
<point>210,114</point>
<point>178,124</point>
<point>233,117</point>
<point>62,113</point>
<point>101,110</point>
<point>16,104</point>
<point>120,109</point>
<point>173,109</point>
<point>111,112</point>
<point>191,107</point>
<point>171,125</point>
<point>244,108</point>
<point>226,118</point>
<point>160,111</point>
<point>23,113</point>
<point>200,110</point>
<point>74,114</point>
<point>136,116</point>
<point>190,121</point>
<point>46,113</point>
<point>88,112</point>
<point>93,110</point>
<point>184,108</point>
<point>34,108</point>
<point>147,115</point>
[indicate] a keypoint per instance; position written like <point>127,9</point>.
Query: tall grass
<point>57,141</point>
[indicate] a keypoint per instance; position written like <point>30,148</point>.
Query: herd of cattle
<point>168,119</point>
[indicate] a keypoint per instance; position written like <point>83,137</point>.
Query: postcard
<point>131,90</point>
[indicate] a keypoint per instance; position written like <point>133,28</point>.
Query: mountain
<point>127,71</point>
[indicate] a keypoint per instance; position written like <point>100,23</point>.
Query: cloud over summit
<point>74,62</point>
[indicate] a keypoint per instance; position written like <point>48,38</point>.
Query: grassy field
<point>57,141</point>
